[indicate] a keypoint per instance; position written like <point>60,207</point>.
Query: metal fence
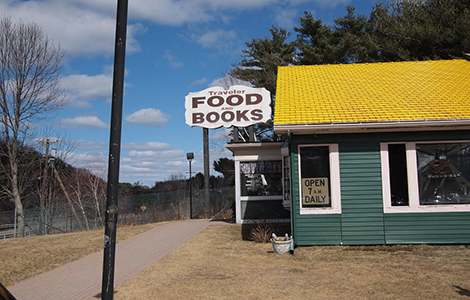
<point>134,209</point>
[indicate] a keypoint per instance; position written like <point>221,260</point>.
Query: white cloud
<point>229,6</point>
<point>149,166</point>
<point>79,29</point>
<point>221,39</point>
<point>144,162</point>
<point>148,117</point>
<point>107,7</point>
<point>286,18</point>
<point>88,87</point>
<point>199,81</point>
<point>227,81</point>
<point>84,121</point>
<point>153,146</point>
<point>87,27</point>
<point>330,3</point>
<point>157,155</point>
<point>175,13</point>
<point>222,134</point>
<point>172,60</point>
<point>87,145</point>
<point>169,12</point>
<point>84,88</point>
<point>90,160</point>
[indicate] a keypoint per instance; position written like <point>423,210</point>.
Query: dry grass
<point>24,258</point>
<point>217,264</point>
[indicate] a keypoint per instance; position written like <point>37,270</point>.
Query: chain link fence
<point>133,209</point>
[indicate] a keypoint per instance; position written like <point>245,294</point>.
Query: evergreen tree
<point>421,29</point>
<point>226,166</point>
<point>317,42</point>
<point>263,56</point>
<point>259,67</point>
<point>353,39</point>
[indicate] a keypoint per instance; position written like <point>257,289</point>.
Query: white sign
<point>315,192</point>
<point>238,106</point>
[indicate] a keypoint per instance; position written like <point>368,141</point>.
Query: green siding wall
<point>428,228</point>
<point>318,230</point>
<point>361,193</point>
<point>362,220</point>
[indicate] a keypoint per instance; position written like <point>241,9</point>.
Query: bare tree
<point>97,187</point>
<point>79,193</point>
<point>68,198</point>
<point>29,89</point>
<point>88,192</point>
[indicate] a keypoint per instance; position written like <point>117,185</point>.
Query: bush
<point>262,232</point>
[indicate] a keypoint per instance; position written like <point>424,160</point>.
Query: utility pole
<point>45,173</point>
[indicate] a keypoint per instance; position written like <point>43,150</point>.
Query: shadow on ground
<point>462,291</point>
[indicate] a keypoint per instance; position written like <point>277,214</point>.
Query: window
<point>319,179</point>
<point>426,176</point>
<point>261,178</point>
<point>398,175</point>
<point>443,173</point>
<point>315,176</point>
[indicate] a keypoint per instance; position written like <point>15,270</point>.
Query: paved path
<point>82,279</point>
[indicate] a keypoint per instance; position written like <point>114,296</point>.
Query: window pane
<point>398,174</point>
<point>315,176</point>
<point>261,178</point>
<point>443,173</point>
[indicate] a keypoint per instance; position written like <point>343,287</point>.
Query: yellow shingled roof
<point>378,92</point>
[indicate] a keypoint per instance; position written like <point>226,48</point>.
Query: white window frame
<point>413,183</point>
<point>334,181</point>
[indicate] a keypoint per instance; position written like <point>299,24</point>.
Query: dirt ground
<point>218,264</point>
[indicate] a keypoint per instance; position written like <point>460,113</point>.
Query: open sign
<point>238,106</point>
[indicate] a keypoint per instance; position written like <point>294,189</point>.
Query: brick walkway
<point>82,279</point>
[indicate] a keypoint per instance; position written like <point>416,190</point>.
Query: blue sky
<point>174,48</point>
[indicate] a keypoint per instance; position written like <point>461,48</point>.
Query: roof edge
<point>382,126</point>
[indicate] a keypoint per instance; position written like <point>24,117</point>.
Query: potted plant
<point>281,245</point>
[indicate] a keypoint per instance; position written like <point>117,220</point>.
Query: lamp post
<point>109,257</point>
<point>190,157</point>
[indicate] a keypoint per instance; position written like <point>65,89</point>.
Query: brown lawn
<point>219,264</point>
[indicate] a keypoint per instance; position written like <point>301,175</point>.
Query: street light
<point>190,157</point>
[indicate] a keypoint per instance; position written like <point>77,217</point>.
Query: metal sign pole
<point>207,174</point>
<point>114,152</point>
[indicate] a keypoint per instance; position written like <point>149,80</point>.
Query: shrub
<point>262,232</point>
